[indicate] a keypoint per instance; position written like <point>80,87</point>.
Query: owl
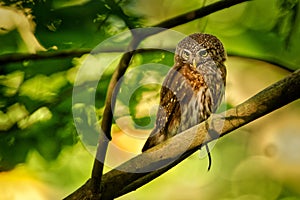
<point>193,88</point>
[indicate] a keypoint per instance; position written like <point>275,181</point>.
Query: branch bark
<point>135,172</point>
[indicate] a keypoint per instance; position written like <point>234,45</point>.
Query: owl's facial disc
<point>194,58</point>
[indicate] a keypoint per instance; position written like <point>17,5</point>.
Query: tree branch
<point>19,57</point>
<point>199,13</point>
<point>135,172</point>
<point>105,132</point>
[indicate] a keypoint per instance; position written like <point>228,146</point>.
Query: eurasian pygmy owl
<point>192,89</point>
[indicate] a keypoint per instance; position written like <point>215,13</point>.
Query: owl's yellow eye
<point>185,54</point>
<point>203,53</point>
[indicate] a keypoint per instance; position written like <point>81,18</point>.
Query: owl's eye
<point>185,54</point>
<point>203,53</point>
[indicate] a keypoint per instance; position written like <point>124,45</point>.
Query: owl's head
<point>199,48</point>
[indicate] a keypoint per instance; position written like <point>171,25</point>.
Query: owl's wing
<point>169,109</point>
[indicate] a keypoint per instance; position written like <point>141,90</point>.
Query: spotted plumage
<point>192,89</point>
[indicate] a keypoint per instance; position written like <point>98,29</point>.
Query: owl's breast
<point>200,97</point>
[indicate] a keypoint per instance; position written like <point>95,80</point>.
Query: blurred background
<point>43,155</point>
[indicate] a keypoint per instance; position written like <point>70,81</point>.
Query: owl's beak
<point>194,63</point>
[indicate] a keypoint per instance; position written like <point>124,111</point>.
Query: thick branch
<point>134,173</point>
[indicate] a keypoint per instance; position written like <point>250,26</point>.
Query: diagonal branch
<point>120,181</point>
<point>135,172</point>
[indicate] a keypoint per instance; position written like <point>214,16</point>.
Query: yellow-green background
<point>41,154</point>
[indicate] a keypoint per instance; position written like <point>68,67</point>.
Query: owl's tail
<point>147,145</point>
<point>154,139</point>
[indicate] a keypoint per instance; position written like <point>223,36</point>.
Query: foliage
<point>36,95</point>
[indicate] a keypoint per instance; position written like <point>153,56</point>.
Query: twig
<point>19,57</point>
<point>134,173</point>
<point>199,13</point>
